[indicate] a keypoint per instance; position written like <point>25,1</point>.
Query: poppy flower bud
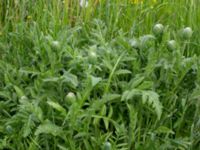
<point>187,33</point>
<point>134,43</point>
<point>70,98</point>
<point>107,146</point>
<point>55,44</point>
<point>9,129</point>
<point>171,45</point>
<point>158,29</point>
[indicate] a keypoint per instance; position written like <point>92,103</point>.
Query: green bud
<point>70,98</point>
<point>23,99</point>
<point>48,38</point>
<point>147,41</point>
<point>107,146</point>
<point>187,33</point>
<point>158,29</point>
<point>134,43</point>
<point>92,57</point>
<point>93,54</point>
<point>171,45</point>
<point>9,129</point>
<point>55,44</point>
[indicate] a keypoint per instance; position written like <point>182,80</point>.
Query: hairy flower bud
<point>158,29</point>
<point>70,98</point>
<point>171,45</point>
<point>107,146</point>
<point>55,44</point>
<point>187,33</point>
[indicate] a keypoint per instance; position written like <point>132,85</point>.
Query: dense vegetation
<point>117,74</point>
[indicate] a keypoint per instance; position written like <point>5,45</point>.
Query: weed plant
<point>111,76</point>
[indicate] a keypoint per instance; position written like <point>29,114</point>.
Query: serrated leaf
<point>29,71</point>
<point>57,106</point>
<point>27,127</point>
<point>52,79</point>
<point>122,72</point>
<point>95,80</point>
<point>132,93</point>
<point>81,135</point>
<point>106,123</point>
<point>110,112</point>
<point>61,147</point>
<point>107,64</point>
<point>48,128</point>
<point>136,81</point>
<point>146,38</point>
<point>129,94</point>
<point>152,98</point>
<point>103,110</point>
<point>5,94</point>
<point>146,85</point>
<point>70,78</point>
<point>111,97</point>
<point>19,91</point>
<point>124,95</point>
<point>165,130</point>
<point>87,144</point>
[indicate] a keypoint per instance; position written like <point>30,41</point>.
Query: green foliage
<point>75,78</point>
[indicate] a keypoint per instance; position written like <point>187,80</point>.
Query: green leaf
<point>29,71</point>
<point>106,123</point>
<point>133,122</point>
<point>19,91</point>
<point>110,112</point>
<point>5,94</point>
<point>149,97</point>
<point>103,110</point>
<point>71,79</point>
<point>52,79</point>
<point>146,85</point>
<point>136,81</point>
<point>165,130</point>
<point>124,95</point>
<point>87,144</point>
<point>49,128</point>
<point>27,127</point>
<point>61,147</point>
<point>95,80</point>
<point>57,106</point>
<point>103,113</point>
<point>152,98</point>
<point>111,97</point>
<point>122,72</point>
<point>127,95</point>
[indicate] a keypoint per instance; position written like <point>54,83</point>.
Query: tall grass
<point>99,77</point>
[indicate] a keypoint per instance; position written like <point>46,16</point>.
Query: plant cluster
<point>113,80</point>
